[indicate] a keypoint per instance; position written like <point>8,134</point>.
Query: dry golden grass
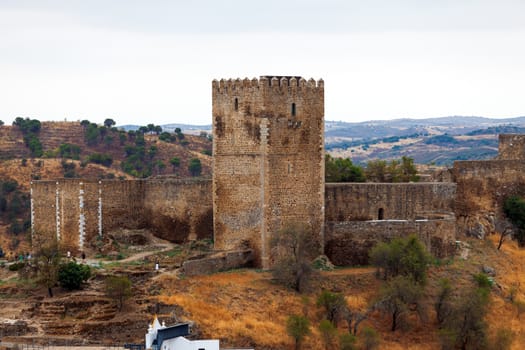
<point>244,308</point>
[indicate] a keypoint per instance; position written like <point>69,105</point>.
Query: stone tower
<point>268,148</point>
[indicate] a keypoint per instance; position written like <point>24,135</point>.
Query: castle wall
<point>348,243</point>
<point>43,212</point>
<point>482,187</point>
<point>122,204</point>
<point>178,210</point>
<point>511,147</point>
<point>268,160</point>
<point>367,201</point>
<point>76,211</point>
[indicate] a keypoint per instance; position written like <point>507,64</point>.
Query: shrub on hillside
<point>100,158</point>
<point>71,275</point>
<point>402,256</point>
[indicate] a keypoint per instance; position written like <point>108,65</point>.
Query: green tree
<point>342,170</point>
<point>514,209</point>
<point>466,328</point>
<point>294,249</point>
<point>347,342</point>
<point>328,333</point>
<point>297,327</point>
<point>195,167</point>
<point>34,145</point>
<point>371,338</point>
<point>397,170</point>
<point>92,134</point>
<point>166,137</point>
<point>1,122</point>
<point>108,140</point>
<point>71,275</point>
<point>443,305</point>
<point>402,256</point>
<point>408,170</point>
<point>375,170</point>
<point>47,262</point>
<point>118,288</point>
<point>175,162</point>
<point>397,298</point>
<point>108,123</point>
<point>334,305</point>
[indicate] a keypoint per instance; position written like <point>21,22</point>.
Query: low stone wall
<point>222,261</point>
<point>371,201</point>
<point>348,243</point>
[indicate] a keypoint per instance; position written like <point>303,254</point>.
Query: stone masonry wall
<point>359,215</point>
<point>407,201</point>
<point>76,211</point>
<point>268,160</point>
<point>482,187</point>
<point>179,210</point>
<point>348,243</point>
<point>511,147</point>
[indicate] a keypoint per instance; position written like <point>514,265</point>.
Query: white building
<point>160,337</point>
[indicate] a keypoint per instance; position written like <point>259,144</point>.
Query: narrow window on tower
<point>236,104</point>
<point>293,109</point>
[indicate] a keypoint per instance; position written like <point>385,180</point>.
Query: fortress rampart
<point>76,211</point>
<point>384,201</point>
<point>181,210</point>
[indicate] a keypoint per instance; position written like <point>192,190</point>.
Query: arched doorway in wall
<point>381,214</point>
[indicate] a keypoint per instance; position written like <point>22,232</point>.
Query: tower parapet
<point>268,148</point>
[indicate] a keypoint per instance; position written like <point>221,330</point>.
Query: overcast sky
<point>153,61</point>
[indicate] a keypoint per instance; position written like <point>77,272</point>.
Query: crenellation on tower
<point>284,84</point>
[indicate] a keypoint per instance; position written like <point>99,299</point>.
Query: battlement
<point>266,83</point>
<point>511,147</point>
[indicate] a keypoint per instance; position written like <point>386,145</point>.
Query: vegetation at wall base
<point>514,209</point>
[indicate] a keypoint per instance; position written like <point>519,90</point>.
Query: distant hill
<point>185,128</point>
<point>465,138</point>
<point>438,141</point>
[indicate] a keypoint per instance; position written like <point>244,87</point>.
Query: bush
<point>514,209</point>
<point>17,266</point>
<point>67,150</point>
<point>195,167</point>
<point>297,327</point>
<point>71,275</point>
<point>402,256</point>
<point>9,186</point>
<point>347,342</point>
<point>371,338</point>
<point>294,249</point>
<point>333,303</point>
<point>101,158</point>
<point>118,288</point>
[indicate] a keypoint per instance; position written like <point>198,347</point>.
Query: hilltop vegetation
<point>34,150</point>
